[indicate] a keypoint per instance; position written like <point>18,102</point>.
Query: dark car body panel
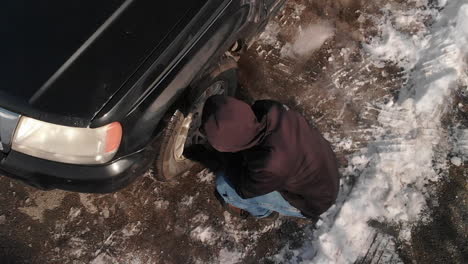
<point>8,123</point>
<point>119,78</point>
<point>106,178</point>
<point>38,37</point>
<point>107,58</point>
<point>139,108</point>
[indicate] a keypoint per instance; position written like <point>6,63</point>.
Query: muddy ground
<point>336,88</point>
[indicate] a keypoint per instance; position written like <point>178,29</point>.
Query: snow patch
<point>392,46</point>
<point>229,257</point>
<point>161,204</point>
<point>187,201</point>
<point>344,144</point>
<point>206,176</point>
<point>43,201</point>
<point>308,40</point>
<point>270,35</point>
<point>200,218</point>
<point>461,143</point>
<point>74,213</point>
<point>131,229</point>
<point>204,234</point>
<point>456,161</point>
<point>87,201</point>
<point>386,182</point>
<point>103,259</point>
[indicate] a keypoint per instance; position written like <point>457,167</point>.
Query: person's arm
<point>251,183</point>
<point>209,158</point>
<point>261,107</point>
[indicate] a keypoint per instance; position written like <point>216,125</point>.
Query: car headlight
<point>67,144</point>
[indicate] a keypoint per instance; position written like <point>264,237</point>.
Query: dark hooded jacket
<point>278,151</point>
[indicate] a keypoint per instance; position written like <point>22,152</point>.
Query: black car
<point>85,85</point>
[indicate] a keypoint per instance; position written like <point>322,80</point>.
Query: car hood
<point>62,62</point>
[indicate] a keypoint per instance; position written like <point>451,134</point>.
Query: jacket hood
<point>230,125</point>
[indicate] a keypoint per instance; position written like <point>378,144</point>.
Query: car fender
<point>142,116</point>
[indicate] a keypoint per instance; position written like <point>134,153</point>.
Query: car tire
<point>182,128</point>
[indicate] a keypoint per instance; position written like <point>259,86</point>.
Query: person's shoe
<point>235,211</point>
<point>270,218</point>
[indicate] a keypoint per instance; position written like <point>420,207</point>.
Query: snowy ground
<point>385,81</point>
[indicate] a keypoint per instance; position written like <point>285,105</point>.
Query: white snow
<point>102,259</point>
<point>187,201</point>
<point>308,40</point>
<point>456,161</point>
<point>394,45</point>
<point>200,218</point>
<point>74,213</point>
<point>131,229</point>
<point>204,234</point>
<point>43,202</point>
<point>270,35</point>
<point>206,176</point>
<point>344,144</point>
<point>392,172</point>
<point>161,204</point>
<point>87,201</point>
<point>229,257</point>
<point>461,143</point>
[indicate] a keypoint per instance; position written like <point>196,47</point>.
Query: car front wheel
<point>183,129</point>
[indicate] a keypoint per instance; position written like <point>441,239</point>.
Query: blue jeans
<point>260,206</point>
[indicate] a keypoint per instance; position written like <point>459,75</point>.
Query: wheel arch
<point>142,121</point>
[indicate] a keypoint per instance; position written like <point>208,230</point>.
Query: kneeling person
<point>276,161</point>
